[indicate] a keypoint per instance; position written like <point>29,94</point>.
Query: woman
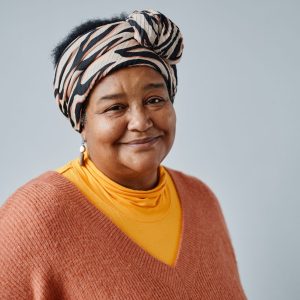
<point>116,224</point>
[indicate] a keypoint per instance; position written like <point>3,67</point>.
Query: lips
<point>142,141</point>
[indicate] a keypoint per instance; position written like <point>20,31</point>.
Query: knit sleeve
<point>25,271</point>
<point>213,207</point>
<point>218,210</point>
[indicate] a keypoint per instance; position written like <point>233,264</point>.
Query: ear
<point>83,130</point>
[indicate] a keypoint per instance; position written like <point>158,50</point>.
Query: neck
<point>135,181</point>
<point>132,179</point>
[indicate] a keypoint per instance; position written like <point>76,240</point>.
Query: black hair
<point>80,30</point>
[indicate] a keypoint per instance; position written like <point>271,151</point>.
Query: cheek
<point>105,130</point>
<point>172,128</point>
<point>170,121</point>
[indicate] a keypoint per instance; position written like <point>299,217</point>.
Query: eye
<point>155,100</point>
<point>115,107</point>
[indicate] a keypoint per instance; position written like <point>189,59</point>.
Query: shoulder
<point>195,193</point>
<point>197,197</point>
<point>38,193</point>
<point>192,183</point>
<point>29,213</point>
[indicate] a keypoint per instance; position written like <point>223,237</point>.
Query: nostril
<point>140,121</point>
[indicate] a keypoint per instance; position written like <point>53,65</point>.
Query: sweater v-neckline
<point>126,245</point>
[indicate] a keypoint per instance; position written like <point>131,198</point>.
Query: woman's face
<point>130,126</point>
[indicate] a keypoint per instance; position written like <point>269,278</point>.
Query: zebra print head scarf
<point>146,38</point>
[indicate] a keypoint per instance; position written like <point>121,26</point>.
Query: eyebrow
<point>147,87</point>
<point>150,86</point>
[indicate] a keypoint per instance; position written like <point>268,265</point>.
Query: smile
<point>143,142</point>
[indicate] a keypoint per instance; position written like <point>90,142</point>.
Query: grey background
<point>237,108</point>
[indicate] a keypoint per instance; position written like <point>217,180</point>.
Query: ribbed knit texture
<point>54,244</point>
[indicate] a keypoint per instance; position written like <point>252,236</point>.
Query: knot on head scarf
<point>146,38</point>
<point>155,31</point>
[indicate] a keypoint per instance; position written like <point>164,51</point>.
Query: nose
<point>139,120</point>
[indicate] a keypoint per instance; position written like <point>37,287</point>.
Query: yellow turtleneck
<point>151,218</point>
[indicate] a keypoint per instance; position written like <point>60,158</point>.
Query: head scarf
<point>145,38</point>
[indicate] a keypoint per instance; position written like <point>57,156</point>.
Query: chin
<point>143,166</point>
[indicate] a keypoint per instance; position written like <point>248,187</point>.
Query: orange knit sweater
<point>54,244</point>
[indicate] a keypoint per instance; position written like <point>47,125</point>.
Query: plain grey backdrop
<point>237,106</point>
